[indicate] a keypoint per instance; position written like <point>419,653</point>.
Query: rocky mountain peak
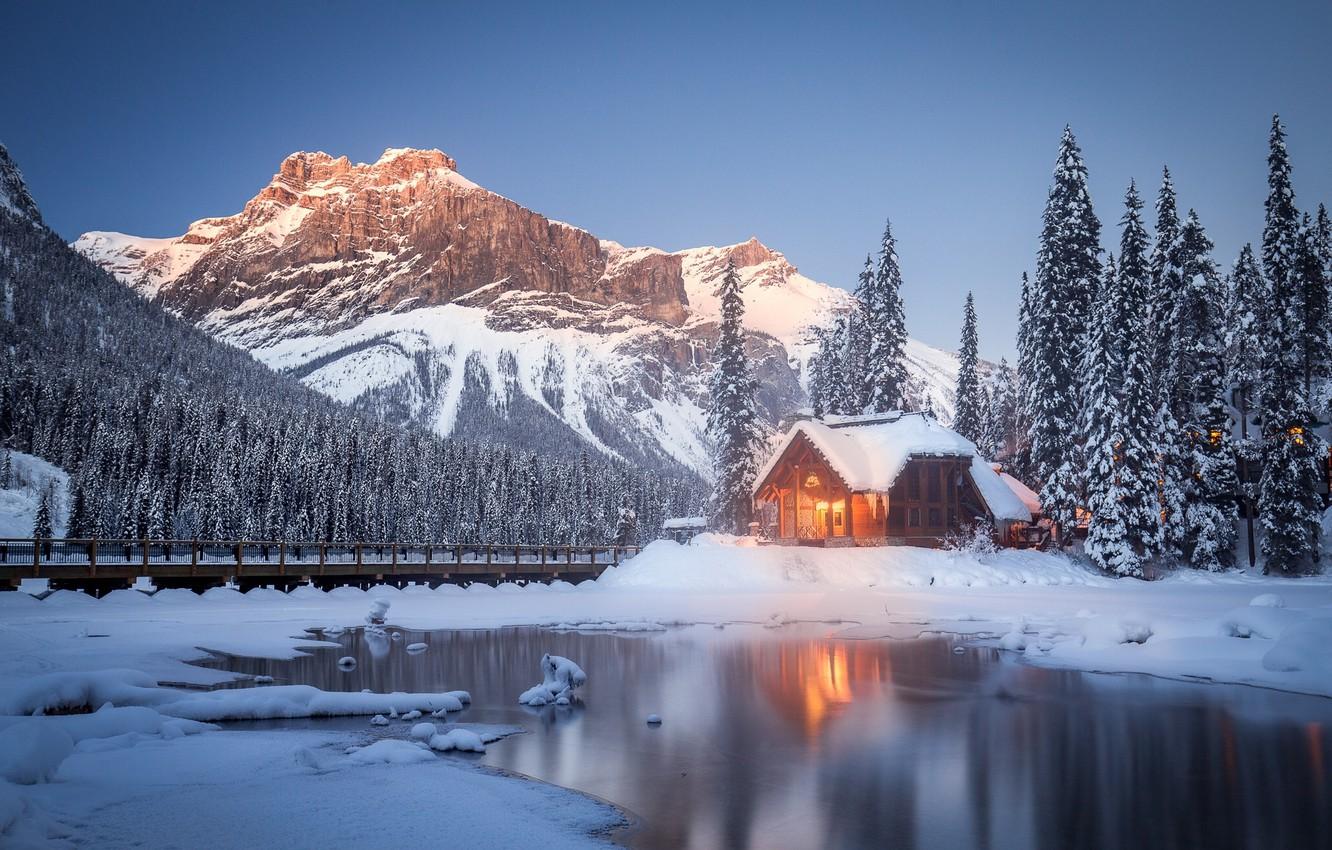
<point>14,195</point>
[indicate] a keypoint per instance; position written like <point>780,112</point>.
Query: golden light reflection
<point>812,681</point>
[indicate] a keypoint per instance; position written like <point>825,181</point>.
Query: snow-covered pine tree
<point>1059,303</point>
<point>1107,544</point>
<point>1246,304</point>
<point>970,396</point>
<point>1315,312</point>
<point>626,525</point>
<point>1288,500</point>
<point>1174,459</point>
<point>1137,464</point>
<point>1161,299</point>
<point>1206,471</point>
<point>819,371</point>
<point>41,523</point>
<point>885,318</point>
<point>999,436</point>
<point>733,423</point>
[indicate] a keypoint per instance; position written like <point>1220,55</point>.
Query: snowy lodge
<point>887,479</point>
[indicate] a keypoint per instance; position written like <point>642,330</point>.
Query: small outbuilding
<point>886,479</point>
<point>682,529</point>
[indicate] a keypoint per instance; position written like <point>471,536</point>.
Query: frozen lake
<point>790,738</point>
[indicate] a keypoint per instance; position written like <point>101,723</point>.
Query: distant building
<point>887,479</point>
<point>682,529</point>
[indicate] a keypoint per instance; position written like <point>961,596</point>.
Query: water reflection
<point>786,738</point>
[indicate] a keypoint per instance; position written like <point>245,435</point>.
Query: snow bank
<point>1304,647</point>
<point>56,691</point>
<point>391,751</point>
<point>289,701</point>
<point>666,565</point>
<point>560,677</point>
<point>610,626</point>
<point>463,740</point>
<point>31,753</point>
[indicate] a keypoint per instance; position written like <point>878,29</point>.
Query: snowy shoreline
<point>70,650</point>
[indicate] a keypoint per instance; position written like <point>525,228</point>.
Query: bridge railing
<point>259,557</point>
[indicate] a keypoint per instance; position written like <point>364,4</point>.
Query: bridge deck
<point>184,563</point>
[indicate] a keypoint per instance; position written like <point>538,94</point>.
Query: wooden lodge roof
<point>869,452</point>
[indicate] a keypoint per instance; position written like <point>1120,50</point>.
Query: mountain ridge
<point>403,286</point>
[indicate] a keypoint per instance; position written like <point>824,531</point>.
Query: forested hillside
<point>168,433</point>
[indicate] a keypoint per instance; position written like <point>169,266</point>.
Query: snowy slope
<point>29,478</point>
<point>456,308</point>
<point>14,196</point>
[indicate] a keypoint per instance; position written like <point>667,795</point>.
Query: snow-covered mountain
<point>14,194</point>
<point>402,286</point>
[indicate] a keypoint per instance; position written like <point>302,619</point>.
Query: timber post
<point>282,557</point>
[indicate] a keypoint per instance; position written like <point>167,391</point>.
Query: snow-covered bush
<point>560,677</point>
<point>974,539</point>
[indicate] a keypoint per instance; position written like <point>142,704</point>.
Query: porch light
<point>823,506</point>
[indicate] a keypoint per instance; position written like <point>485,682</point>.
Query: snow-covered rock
<point>424,731</point>
<point>560,677</point>
<point>463,740</point>
<point>390,751</point>
<point>379,609</point>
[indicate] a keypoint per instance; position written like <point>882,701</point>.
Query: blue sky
<point>686,124</point>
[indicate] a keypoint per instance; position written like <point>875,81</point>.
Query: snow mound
<point>560,677</point>
<point>417,647</point>
<point>463,740</point>
<point>1303,647</point>
<point>424,731</point>
<point>391,751</point>
<point>716,566</point>
<point>1267,600</point>
<point>31,753</point>
<point>378,612</point>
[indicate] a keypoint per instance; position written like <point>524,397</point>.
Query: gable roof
<point>869,452</point>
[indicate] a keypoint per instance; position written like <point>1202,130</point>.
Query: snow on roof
<point>684,522</point>
<point>869,452</point>
<point>1025,493</point>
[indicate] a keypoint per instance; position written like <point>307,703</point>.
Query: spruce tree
<point>1246,304</point>
<point>1136,463</point>
<point>970,396</point>
<point>733,422</point>
<point>1101,428</point>
<point>41,523</point>
<point>1197,385</point>
<point>885,320</point>
<point>1288,501</point>
<point>1315,312</point>
<point>1059,304</point>
<point>999,434</point>
<point>1161,299</point>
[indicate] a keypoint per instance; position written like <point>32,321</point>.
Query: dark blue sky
<point>676,124</point>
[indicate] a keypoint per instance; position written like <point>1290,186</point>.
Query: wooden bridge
<point>99,566</point>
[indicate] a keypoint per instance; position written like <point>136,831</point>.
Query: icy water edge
<point>789,738</point>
